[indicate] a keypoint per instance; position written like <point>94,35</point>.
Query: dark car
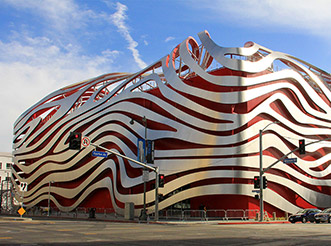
<point>304,215</point>
<point>324,216</point>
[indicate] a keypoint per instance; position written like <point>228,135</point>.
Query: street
<point>71,232</point>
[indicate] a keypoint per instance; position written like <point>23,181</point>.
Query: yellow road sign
<point>21,211</point>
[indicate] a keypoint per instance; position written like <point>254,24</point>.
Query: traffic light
<point>161,180</point>
<point>256,182</point>
<point>75,140</point>
<point>302,149</point>
<point>265,182</point>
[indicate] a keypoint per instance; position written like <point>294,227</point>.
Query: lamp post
<point>144,214</point>
<point>261,170</point>
<point>49,196</point>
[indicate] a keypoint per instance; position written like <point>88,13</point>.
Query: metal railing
<point>211,214</point>
<point>166,214</point>
<point>83,213</point>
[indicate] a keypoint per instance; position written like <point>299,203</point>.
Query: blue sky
<point>48,44</point>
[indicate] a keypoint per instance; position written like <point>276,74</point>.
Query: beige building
<point>6,161</point>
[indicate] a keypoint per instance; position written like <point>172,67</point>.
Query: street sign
<point>21,211</point>
<point>257,191</point>
<point>290,160</point>
<point>99,154</point>
<point>86,142</point>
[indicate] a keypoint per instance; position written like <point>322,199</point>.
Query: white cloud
<point>168,39</point>
<point>304,15</point>
<point>34,63</point>
<point>32,66</point>
<point>60,14</point>
<point>118,19</point>
<point>29,71</point>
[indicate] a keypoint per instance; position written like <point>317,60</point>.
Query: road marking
<point>90,233</point>
<point>6,238</point>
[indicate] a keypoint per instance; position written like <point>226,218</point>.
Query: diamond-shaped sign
<point>21,211</point>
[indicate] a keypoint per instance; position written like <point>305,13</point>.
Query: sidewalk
<point>14,218</point>
<point>253,222</point>
<point>122,220</point>
<point>222,222</point>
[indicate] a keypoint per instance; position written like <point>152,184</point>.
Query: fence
<point>99,213</point>
<point>168,215</point>
<point>217,214</point>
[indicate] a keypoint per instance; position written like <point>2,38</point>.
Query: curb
<point>15,218</point>
<point>254,222</point>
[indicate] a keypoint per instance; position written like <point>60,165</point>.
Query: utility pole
<point>261,170</point>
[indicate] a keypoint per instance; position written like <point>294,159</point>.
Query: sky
<point>48,44</point>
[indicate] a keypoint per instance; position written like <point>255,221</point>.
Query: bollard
<point>274,215</point>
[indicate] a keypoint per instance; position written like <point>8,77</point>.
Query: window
<point>8,166</point>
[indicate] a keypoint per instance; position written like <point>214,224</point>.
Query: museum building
<point>203,106</point>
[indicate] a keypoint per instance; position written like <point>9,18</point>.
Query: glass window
<point>0,165</point>
<point>8,165</point>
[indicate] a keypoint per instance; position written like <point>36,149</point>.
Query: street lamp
<point>49,196</point>
<point>261,169</point>
<point>144,120</point>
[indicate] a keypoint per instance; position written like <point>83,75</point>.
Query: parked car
<point>324,216</point>
<point>304,215</point>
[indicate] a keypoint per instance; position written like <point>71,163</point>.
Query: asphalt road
<point>66,232</point>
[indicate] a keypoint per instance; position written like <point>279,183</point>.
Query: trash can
<point>92,213</point>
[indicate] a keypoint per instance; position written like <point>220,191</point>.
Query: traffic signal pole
<point>285,156</point>
<point>261,168</point>
<point>154,169</point>
<point>261,174</point>
<point>263,171</point>
<point>156,193</point>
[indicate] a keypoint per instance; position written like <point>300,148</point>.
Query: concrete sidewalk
<point>122,220</point>
<point>15,218</point>
<point>222,222</point>
<point>253,222</point>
